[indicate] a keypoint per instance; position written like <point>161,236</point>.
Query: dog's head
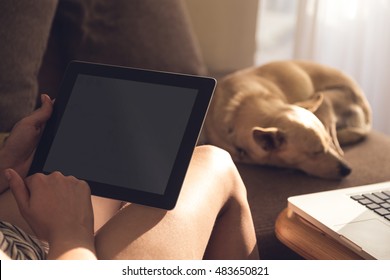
<point>293,138</point>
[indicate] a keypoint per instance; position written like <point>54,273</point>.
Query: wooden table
<point>309,241</point>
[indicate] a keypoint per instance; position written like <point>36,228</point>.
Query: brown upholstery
<point>136,33</point>
<point>24,30</point>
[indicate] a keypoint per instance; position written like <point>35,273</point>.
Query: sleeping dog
<point>292,114</point>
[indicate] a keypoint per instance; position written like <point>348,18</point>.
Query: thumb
<point>43,113</point>
<point>18,188</point>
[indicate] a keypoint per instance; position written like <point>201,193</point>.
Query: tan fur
<point>290,114</point>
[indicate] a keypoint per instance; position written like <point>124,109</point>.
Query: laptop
<point>357,217</point>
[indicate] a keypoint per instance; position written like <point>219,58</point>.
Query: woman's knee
<point>219,162</point>
<point>213,155</point>
<point>214,160</point>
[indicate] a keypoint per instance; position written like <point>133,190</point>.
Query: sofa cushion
<point>25,26</point>
<point>269,188</point>
<point>137,33</point>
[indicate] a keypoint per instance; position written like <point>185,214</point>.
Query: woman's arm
<point>68,225</point>
<point>18,149</point>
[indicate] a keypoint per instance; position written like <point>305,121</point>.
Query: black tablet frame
<point>205,87</point>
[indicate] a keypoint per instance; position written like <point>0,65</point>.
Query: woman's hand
<point>18,150</point>
<point>58,208</point>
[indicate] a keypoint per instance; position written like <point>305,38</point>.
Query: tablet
<point>130,133</point>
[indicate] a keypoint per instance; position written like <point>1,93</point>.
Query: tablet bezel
<point>205,87</point>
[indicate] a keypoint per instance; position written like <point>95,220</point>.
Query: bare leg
<point>103,210</point>
<point>212,219</point>
<point>212,211</point>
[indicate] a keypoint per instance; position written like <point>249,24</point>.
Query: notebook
<point>357,217</point>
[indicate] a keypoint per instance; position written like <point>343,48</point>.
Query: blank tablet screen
<point>130,133</point>
<point>121,132</point>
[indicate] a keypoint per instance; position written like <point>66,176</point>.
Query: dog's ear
<point>312,104</point>
<point>268,139</point>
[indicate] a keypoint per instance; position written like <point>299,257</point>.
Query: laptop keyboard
<point>379,202</point>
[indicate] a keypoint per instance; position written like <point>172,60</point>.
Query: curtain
<point>351,35</point>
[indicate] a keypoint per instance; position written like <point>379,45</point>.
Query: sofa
<point>41,37</point>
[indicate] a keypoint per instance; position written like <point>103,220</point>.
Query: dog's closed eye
<point>317,153</point>
<point>241,152</point>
